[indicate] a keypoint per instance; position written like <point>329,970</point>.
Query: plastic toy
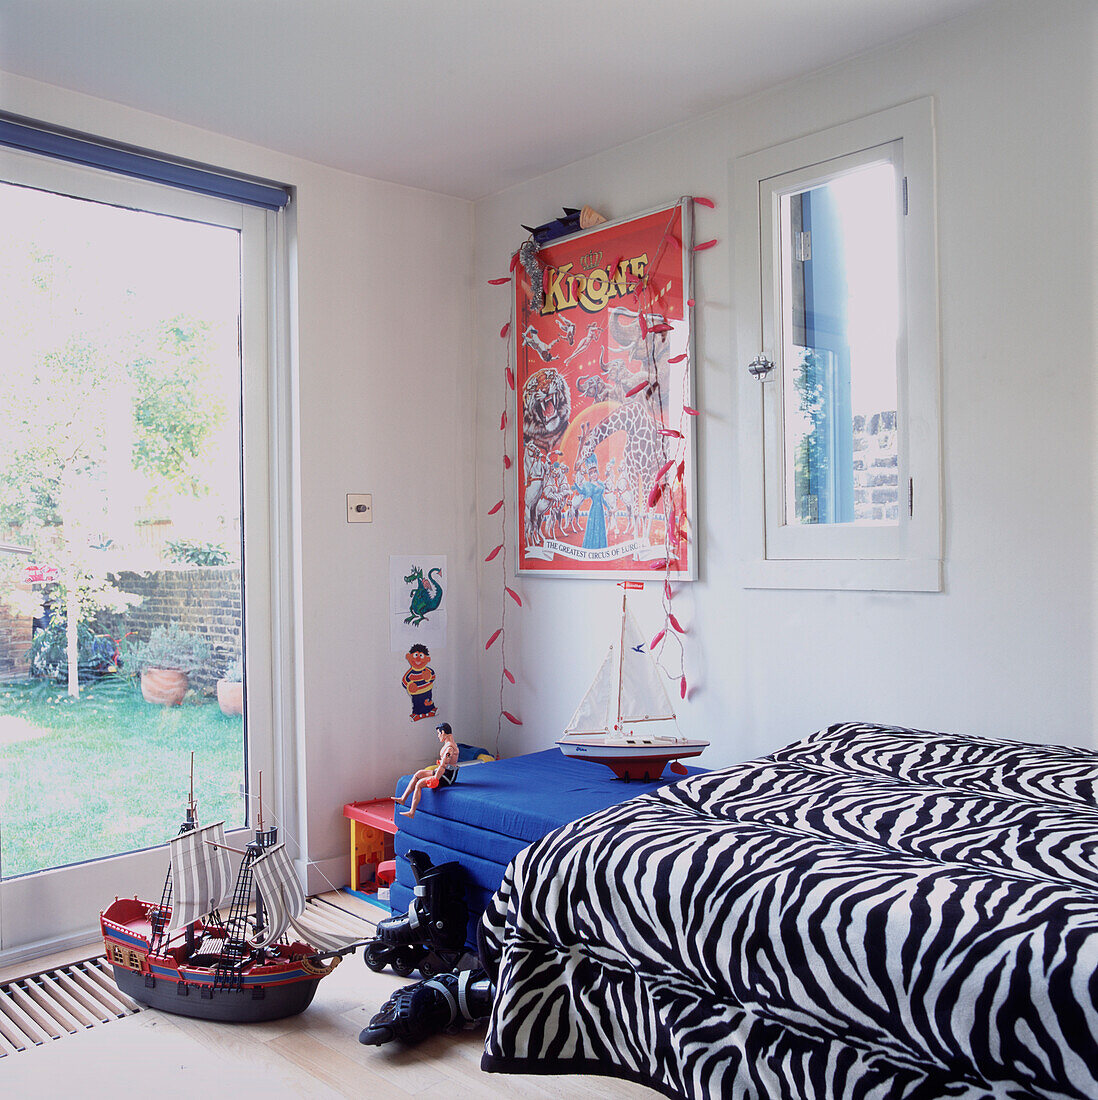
<point>261,961</point>
<point>430,937</point>
<point>628,684</point>
<point>372,831</point>
<point>442,774</point>
<point>571,221</point>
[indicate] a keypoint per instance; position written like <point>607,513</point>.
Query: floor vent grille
<point>55,1003</point>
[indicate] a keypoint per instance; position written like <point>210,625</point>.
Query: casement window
<point>839,361</point>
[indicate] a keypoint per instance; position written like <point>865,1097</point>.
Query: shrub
<point>49,654</point>
<point>191,552</point>
<point>171,647</point>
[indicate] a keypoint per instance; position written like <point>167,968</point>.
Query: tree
<point>812,459</point>
<point>174,411</point>
<point>91,423</point>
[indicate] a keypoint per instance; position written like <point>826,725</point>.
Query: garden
<point>109,771</point>
<point>120,521</point>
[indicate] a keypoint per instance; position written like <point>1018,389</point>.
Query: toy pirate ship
<point>181,955</point>
<point>625,720</point>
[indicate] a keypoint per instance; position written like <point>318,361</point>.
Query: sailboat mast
<point>621,664</point>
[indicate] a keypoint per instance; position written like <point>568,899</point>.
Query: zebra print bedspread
<point>868,913</point>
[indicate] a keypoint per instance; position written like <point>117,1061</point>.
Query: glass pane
<point>120,527</point>
<point>840,301</point>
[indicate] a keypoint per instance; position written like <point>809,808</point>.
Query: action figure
<point>442,774</point>
<point>418,682</point>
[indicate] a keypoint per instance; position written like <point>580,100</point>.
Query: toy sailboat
<point>627,692</point>
<point>181,956</point>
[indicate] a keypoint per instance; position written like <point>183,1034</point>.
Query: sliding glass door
<point>135,581</point>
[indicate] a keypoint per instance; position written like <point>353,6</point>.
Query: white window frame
<point>905,557</point>
<point>57,908</point>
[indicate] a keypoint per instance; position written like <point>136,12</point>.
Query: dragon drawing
<point>423,600</point>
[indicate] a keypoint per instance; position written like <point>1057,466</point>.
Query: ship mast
<point>263,840</point>
<point>158,917</point>
<point>259,916</point>
<point>235,951</point>
<point>192,806</point>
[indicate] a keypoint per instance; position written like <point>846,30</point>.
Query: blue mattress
<point>496,809</point>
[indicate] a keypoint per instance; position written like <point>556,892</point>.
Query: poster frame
<point>643,563</point>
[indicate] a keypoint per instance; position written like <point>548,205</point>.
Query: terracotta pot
<point>166,686</point>
<point>230,696</point>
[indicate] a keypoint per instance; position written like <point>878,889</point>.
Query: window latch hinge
<point>911,496</point>
<point>760,367</point>
<point>804,246</point>
<point>905,194</point>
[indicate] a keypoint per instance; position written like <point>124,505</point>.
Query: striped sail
<point>202,878</point>
<point>284,902</point>
<point>283,898</point>
<point>322,940</point>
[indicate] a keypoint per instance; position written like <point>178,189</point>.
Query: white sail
<point>627,688</point>
<point>322,940</point>
<point>202,877</point>
<point>643,697</point>
<point>593,715</point>
<point>284,902</point>
<point>278,886</point>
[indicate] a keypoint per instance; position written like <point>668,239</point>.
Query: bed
<point>870,912</point>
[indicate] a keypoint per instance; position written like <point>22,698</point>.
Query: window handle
<point>760,367</point>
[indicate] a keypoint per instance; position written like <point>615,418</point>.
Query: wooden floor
<point>316,1054</point>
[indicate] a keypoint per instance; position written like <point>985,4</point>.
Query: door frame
<point>58,908</point>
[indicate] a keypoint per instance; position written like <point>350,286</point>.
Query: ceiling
<point>463,98</point>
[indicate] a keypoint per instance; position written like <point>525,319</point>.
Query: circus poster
<point>605,453</point>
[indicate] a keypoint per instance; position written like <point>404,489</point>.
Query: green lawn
<point>107,773</point>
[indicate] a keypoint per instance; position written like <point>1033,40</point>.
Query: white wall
<point>1008,647</point>
<point>383,356</point>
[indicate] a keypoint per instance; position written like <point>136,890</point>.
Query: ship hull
<point>640,759</point>
<point>280,985</point>
<point>247,1005</point>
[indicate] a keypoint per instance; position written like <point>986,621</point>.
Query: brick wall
<point>203,600</point>
<point>15,640</point>
<point>876,468</point>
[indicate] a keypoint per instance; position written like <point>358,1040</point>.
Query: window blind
<point>77,149</point>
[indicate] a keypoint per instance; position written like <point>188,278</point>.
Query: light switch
<point>360,508</point>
